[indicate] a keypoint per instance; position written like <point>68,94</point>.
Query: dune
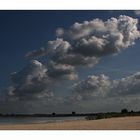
<point>123,123</point>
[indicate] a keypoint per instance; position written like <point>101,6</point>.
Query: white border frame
<point>69,5</point>
<point>69,135</point>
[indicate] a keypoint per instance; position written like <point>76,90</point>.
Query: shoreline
<point>121,123</point>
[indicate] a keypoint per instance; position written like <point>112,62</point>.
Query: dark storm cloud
<point>61,52</point>
<point>31,80</point>
<point>60,71</point>
<point>76,59</point>
<point>35,80</point>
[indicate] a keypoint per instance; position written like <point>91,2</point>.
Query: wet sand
<point>123,123</point>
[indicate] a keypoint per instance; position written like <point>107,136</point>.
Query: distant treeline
<point>46,115</point>
<point>123,113</point>
<point>88,116</point>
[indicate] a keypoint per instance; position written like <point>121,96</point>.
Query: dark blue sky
<point>23,31</point>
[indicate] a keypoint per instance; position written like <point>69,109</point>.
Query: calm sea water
<point>29,120</point>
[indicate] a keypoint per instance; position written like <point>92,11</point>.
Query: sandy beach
<point>123,123</point>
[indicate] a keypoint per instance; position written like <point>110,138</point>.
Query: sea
<point>37,120</point>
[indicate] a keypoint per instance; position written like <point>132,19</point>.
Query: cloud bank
<point>82,44</point>
<point>101,86</point>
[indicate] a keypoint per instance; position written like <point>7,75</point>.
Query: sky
<point>64,61</point>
